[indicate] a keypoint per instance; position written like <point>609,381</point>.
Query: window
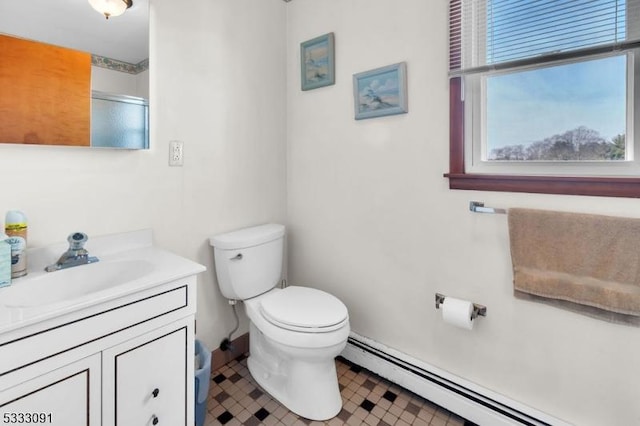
<point>542,96</point>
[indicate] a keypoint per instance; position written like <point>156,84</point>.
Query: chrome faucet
<point>76,255</point>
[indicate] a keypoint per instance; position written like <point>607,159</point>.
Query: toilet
<point>295,332</point>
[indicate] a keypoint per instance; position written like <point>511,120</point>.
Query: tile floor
<point>236,399</point>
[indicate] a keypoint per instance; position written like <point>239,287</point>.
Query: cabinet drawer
<point>148,380</point>
<point>28,350</point>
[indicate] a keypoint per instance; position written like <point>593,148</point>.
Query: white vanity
<point>109,343</point>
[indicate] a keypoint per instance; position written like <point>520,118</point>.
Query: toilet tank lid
<point>247,237</point>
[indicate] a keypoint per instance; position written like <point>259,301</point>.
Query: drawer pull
<point>155,420</point>
<point>155,393</point>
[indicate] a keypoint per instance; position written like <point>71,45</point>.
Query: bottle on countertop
<point>5,261</point>
<point>15,226</point>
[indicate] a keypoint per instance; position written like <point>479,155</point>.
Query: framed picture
<point>381,92</point>
<point>317,62</point>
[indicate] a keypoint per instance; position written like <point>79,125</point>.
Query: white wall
<point>217,83</point>
<point>371,219</point>
<point>122,83</point>
<point>142,84</point>
<point>111,81</point>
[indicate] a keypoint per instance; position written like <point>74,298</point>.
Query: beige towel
<point>589,263</point>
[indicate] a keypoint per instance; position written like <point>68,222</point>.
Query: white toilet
<point>295,332</point>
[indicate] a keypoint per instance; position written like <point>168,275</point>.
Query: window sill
<point>567,185</point>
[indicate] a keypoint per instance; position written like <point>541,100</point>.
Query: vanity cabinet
<point>118,363</point>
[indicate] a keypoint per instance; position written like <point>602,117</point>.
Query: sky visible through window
<point>533,105</point>
<point>526,107</point>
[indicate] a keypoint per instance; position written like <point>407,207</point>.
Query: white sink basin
<point>72,283</point>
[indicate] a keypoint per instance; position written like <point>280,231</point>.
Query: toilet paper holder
<point>478,310</point>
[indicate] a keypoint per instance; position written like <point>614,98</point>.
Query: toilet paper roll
<point>457,312</point>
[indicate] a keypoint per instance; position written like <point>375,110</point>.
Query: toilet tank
<point>248,261</point>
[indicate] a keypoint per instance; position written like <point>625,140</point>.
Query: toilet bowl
<point>297,367</point>
<point>295,333</point>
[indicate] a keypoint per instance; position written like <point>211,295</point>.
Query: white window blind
<point>502,34</point>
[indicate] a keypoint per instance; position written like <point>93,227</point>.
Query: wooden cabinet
<point>45,93</point>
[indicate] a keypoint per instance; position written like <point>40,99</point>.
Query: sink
<point>72,283</point>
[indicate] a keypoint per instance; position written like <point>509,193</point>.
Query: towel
<point>587,263</point>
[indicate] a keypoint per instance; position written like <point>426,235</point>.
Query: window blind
<point>487,35</point>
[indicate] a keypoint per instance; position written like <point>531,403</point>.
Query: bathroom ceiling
<point>75,24</point>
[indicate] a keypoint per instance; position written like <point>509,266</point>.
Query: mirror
<point>117,89</point>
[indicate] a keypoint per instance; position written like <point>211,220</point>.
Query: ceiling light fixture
<point>111,7</point>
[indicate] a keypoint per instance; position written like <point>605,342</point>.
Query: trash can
<point>202,379</point>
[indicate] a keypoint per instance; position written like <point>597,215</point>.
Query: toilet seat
<point>304,309</point>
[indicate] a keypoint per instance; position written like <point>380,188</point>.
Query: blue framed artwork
<point>380,92</point>
<point>317,62</point>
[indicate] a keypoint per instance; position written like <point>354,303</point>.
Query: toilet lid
<point>304,309</point>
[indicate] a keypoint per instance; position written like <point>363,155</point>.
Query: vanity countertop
<point>129,260</point>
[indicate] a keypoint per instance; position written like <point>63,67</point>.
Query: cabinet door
<point>148,380</point>
<point>68,396</point>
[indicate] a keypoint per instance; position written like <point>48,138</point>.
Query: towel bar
<point>478,310</point>
<point>478,207</point>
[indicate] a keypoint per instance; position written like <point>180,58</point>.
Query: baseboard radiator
<point>468,400</point>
